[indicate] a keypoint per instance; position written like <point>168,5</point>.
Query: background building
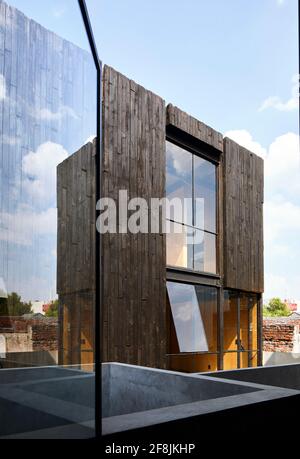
<point>293,305</point>
<point>165,303</point>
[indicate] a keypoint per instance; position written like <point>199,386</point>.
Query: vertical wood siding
<point>134,310</point>
<point>193,127</point>
<point>76,204</point>
<point>243,218</point>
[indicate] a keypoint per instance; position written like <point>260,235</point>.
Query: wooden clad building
<point>188,299</point>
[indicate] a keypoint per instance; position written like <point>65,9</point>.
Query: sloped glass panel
<point>187,318</point>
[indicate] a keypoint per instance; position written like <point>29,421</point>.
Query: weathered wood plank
<point>133,279</point>
<point>193,127</point>
<point>243,218</point>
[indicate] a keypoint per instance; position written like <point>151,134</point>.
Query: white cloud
<point>280,2</point>
<point>276,103</point>
<point>39,182</point>
<point>282,286</point>
<point>244,138</point>
<point>291,104</point>
<point>22,226</point>
<point>3,291</point>
<point>276,286</point>
<point>184,311</point>
<point>2,87</point>
<point>63,112</point>
<point>282,167</point>
<point>281,218</point>
<point>59,12</point>
<point>180,160</point>
<point>90,139</point>
<point>40,171</point>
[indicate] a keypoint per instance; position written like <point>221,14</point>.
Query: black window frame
<point>210,154</point>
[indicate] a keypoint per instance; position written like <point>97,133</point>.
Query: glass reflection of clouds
<point>188,322</point>
<point>205,192</point>
<point>179,178</point>
<point>48,106</point>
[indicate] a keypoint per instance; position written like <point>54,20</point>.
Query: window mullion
<point>193,208</point>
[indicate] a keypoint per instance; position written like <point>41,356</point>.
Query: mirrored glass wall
<point>47,154</point>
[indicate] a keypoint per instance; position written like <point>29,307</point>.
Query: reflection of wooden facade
<point>136,324</point>
<point>76,254</point>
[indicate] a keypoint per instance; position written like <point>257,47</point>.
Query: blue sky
<point>230,64</point>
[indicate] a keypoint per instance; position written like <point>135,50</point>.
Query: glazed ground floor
<point>211,328</point>
<point>208,328</point>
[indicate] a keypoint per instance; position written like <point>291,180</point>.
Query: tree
<point>52,310</point>
<point>3,307</point>
<point>14,306</point>
<point>276,308</point>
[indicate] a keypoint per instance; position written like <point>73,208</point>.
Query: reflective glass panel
<point>205,194</point>
<point>179,182</point>
<point>253,322</point>
<point>204,252</point>
<point>194,314</point>
<point>193,363</point>
<point>187,318</point>
<point>47,154</point>
<point>180,246</point>
<point>191,187</point>
<point>230,311</point>
<point>244,323</point>
<point>240,327</point>
<point>207,300</point>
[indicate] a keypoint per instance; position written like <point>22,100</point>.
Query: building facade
<point>188,299</point>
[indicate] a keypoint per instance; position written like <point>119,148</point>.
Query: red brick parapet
<point>279,334</point>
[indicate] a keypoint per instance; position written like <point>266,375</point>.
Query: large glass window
<point>193,325</point>
<point>240,330</point>
<point>191,213</point>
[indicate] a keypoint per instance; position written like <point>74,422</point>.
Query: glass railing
<point>48,84</point>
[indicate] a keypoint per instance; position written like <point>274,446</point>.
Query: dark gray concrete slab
<point>146,419</point>
<point>174,397</point>
<point>287,376</point>
<point>129,389</point>
<point>52,400</point>
<point>57,402</point>
<point>12,376</point>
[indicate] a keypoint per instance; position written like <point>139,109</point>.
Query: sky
<point>232,64</point>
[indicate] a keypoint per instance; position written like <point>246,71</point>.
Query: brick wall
<point>279,334</point>
<point>44,335</point>
<point>23,334</point>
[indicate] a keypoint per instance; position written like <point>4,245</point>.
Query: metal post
<point>98,258</point>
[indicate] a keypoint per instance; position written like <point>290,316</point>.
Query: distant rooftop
<point>294,316</point>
